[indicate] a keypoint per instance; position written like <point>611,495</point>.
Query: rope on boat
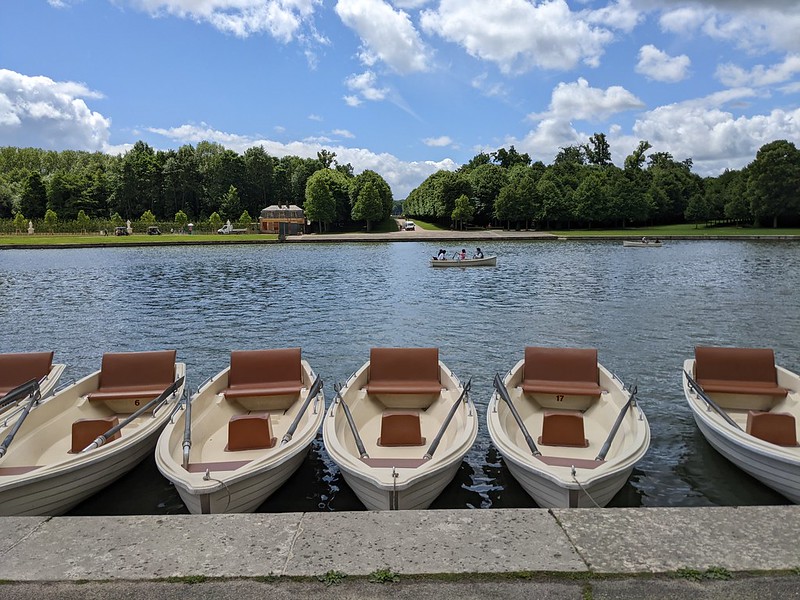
<point>585,491</point>
<point>208,477</point>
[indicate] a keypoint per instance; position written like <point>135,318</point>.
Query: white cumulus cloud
<point>366,85</point>
<point>660,66</point>
<point>438,142</point>
<point>760,75</point>
<point>570,101</point>
<point>387,34</point>
<point>282,19</point>
<point>40,112</point>
<point>518,35</point>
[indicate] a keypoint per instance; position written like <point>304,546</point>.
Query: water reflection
<point>643,310</point>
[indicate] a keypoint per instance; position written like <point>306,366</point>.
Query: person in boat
<point>644,240</point>
<point>462,255</point>
<point>442,254</point>
<point>478,253</point>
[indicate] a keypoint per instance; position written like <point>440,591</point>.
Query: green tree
<point>231,205</point>
<point>83,221</point>
<point>50,219</point>
<point>320,204</point>
<point>20,222</point>
<point>380,186</point>
<point>773,182</point>
<point>117,220</point>
<point>510,158</point>
<point>598,151</point>
<point>463,212</point>
<point>148,218</point>
<point>181,219</point>
<point>244,220</point>
<point>486,180</point>
<point>215,221</point>
<point>697,210</point>
<point>368,206</point>
<point>33,199</point>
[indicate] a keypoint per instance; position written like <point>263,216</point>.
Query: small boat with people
<point>22,373</point>
<point>566,427</point>
<point>244,432</point>
<point>89,434</point>
<point>400,427</point>
<point>642,243</point>
<point>461,259</point>
<point>748,408</point>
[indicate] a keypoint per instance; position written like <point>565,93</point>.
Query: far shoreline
<point>59,241</point>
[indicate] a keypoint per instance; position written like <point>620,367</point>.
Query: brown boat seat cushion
<point>737,371</point>
<point>258,373</point>
<point>400,428</point>
<point>17,368</point>
<point>250,432</point>
<point>404,371</point>
<point>777,428</point>
<point>568,371</point>
<point>563,428</point>
<point>85,431</point>
<point>130,375</point>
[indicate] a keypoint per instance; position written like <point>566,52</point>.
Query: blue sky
<point>404,87</point>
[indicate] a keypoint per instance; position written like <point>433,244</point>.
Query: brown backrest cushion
<point>20,367</point>
<point>404,364</point>
<point>561,364</point>
<point>735,364</point>
<point>776,428</point>
<point>253,367</point>
<point>137,369</point>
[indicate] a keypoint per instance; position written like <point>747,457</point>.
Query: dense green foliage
<point>582,187</point>
<point>179,186</point>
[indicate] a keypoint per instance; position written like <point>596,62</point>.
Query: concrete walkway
<point>562,553</point>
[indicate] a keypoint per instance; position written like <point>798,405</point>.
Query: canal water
<point>643,309</point>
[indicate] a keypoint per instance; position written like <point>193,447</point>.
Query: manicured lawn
<point>427,226</point>
<point>64,239</point>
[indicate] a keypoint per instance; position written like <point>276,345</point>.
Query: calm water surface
<point>644,309</point>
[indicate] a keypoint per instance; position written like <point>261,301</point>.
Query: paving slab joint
<point>290,552</point>
<point>570,540</point>
<point>29,534</point>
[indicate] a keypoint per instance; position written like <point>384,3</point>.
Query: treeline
<point>196,182</point>
<point>582,188</point>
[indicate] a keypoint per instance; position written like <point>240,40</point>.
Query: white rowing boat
<point>66,449</point>
<point>487,261</point>
<point>641,244</point>
<point>399,428</point>
<point>567,429</point>
<point>748,409</point>
<point>250,429</point>
<point>17,368</point>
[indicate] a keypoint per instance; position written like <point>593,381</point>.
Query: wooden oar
<point>435,443</point>
<point>103,438</point>
<point>611,434</point>
<point>359,444</point>
<point>699,391</point>
<point>312,393</point>
<point>503,393</point>
<point>18,393</point>
<point>10,437</point>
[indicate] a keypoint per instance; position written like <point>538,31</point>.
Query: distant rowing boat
<point>487,261</point>
<point>640,244</point>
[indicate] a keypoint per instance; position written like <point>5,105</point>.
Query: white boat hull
<point>257,474</point>
<point>396,486</point>
<point>574,483</point>
<point>488,261</point>
<point>776,467</point>
<point>64,480</point>
<point>630,244</point>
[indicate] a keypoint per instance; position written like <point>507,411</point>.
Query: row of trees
<point>583,187</point>
<point>195,181</point>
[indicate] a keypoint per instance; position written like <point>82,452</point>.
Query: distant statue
<point>30,227</point>
<point>130,229</point>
